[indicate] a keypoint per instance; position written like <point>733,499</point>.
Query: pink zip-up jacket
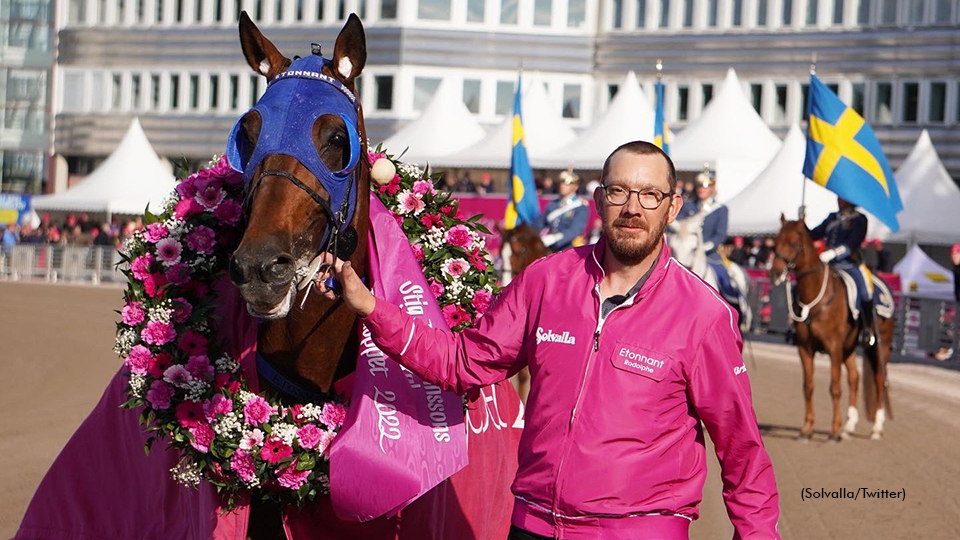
<point>612,446</point>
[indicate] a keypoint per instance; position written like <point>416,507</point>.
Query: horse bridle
<point>791,265</point>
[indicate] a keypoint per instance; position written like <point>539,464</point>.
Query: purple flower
<point>177,375</point>
<point>139,360</point>
<point>168,251</point>
<point>242,464</point>
<point>202,239</point>
<point>155,232</point>
<point>220,404</point>
<point>181,309</point>
<point>178,274</point>
<point>158,333</point>
<point>229,211</point>
<point>210,197</point>
<point>257,411</point>
<point>159,395</point>
<point>133,314</point>
<point>200,368</point>
<point>187,188</point>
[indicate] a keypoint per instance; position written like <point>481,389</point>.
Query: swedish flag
<point>524,206</point>
<point>659,127</point>
<point>844,156</point>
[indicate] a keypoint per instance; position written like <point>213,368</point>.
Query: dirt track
<point>56,358</point>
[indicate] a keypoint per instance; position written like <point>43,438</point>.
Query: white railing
<point>61,263</point>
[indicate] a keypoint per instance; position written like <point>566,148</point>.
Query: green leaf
<point>148,216</point>
<point>481,228</point>
<point>476,217</point>
<point>147,444</point>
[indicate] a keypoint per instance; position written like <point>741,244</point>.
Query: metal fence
<point>61,263</point>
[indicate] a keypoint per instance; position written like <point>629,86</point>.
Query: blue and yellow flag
<point>659,127</point>
<point>844,156</point>
<point>524,205</point>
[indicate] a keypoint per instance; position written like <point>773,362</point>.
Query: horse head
<point>302,152</point>
<point>792,249</point>
<point>521,246</point>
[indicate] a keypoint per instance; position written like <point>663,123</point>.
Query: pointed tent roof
<point>628,118</point>
<point>919,274</point>
<point>728,131</point>
<point>543,132</point>
<point>130,178</point>
<point>778,189</point>
<point>445,126</point>
<point>930,198</point>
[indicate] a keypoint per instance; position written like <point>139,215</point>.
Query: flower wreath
<point>192,394</point>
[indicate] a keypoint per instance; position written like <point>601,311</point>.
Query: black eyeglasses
<point>649,198</point>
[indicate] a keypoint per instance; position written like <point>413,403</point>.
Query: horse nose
<point>247,265</point>
<point>278,270</point>
<point>236,273</point>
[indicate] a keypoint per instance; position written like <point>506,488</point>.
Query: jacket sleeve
<point>820,231</point>
<point>488,353</point>
<point>576,225</point>
<point>717,232</point>
<point>853,238</point>
<point>720,392</point>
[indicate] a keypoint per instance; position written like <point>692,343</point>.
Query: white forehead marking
<point>345,67</point>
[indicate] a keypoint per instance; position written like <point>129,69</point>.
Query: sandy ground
<point>56,358</point>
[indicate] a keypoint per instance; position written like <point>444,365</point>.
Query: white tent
<point>778,189</point>
<point>729,136</point>
<point>931,200</point>
<point>628,118</point>
<point>130,178</point>
<point>919,274</point>
<point>445,126</point>
<point>543,132</point>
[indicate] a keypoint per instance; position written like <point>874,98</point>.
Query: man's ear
<point>350,51</point>
<point>262,56</point>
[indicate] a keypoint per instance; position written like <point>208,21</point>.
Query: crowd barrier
<point>925,327</point>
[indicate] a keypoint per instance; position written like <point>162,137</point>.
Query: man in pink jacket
<point>628,352</point>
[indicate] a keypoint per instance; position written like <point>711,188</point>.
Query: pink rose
<point>229,211</point>
<point>133,313</point>
<point>155,232</point>
<point>153,282</point>
<point>159,395</point>
<point>437,288</point>
<point>186,208</point>
<point>422,187</point>
<point>459,236</point>
<point>203,435</point>
<point>158,333</point>
<point>309,436</point>
<point>333,415</point>
<point>202,239</point>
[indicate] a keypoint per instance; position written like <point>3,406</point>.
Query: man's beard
<point>628,249</point>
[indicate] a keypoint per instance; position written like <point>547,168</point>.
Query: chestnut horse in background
<point>824,324</point>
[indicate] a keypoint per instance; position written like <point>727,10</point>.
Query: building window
<point>617,14</point>
<point>812,7</point>
<point>277,13</point>
<point>300,9</point>
<point>198,11</point>
<point>174,91</point>
<point>77,12</point>
<point>117,94</point>
<point>159,12</point>
<point>504,102</point>
<point>957,109</point>
<point>857,98</point>
<point>664,13</point>
<point>139,11</point>
<point>863,12</point>
<point>712,7</point>
<point>941,11</point>
<point>576,13</point>
<point>471,95</point>
<point>475,10</point>
<point>687,13</point>
<point>120,5</point>
<point>362,11</point>
<point>258,11</point>
<point>837,11</point>
<point>707,91</point>
<point>683,103</point>
<point>101,11</point>
<point>217,10</point>
<point>234,92</point>
<point>571,101</point>
<point>73,92</point>
<point>938,102</point>
<point>358,84</point>
<point>736,15</point>
<point>888,11</point>
<point>762,12</point>
<point>641,13</point>
<point>341,10</point>
<point>508,11</point>
<point>194,92</point>
<point>214,91</point>
<point>543,12</point>
<point>787,14</point>
<point>883,109</point>
<point>155,92</point>
<point>135,91</point>
<point>434,10</point>
<point>384,84</point>
<point>756,96</point>
<point>612,90</point>
<point>388,9</point>
<point>780,111</point>
<point>911,101</point>
<point>320,9</point>
<point>423,90</point>
<point>805,102</point>
<point>915,10</point>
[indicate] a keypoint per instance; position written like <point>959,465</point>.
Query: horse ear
<point>783,219</point>
<point>263,56</point>
<point>350,51</point>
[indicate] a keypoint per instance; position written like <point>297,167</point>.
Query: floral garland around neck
<point>193,395</point>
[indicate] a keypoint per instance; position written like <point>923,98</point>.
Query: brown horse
<point>824,324</point>
<point>312,341</point>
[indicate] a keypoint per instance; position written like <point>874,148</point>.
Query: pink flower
<point>197,289</point>
<point>190,413</point>
<point>481,300</point>
<point>192,343</point>
<point>159,395</point>
<point>178,274</point>
<point>200,368</point>
<point>446,210</point>
<point>275,450</point>
<point>229,211</point>
<point>399,219</point>
<point>421,187</point>
<point>133,313</point>
<point>210,197</point>
<point>155,232</point>
<point>454,267</point>
<point>291,478</point>
<point>437,288</point>
<point>186,208</point>
<point>140,267</point>
<point>459,236</point>
<point>257,411</point>
<point>333,415</point>
<point>417,251</point>
<point>139,360</point>
<point>391,188</point>
<point>242,464</point>
<point>177,375</point>
<point>168,251</point>
<point>326,437</point>
<point>202,437</point>
<point>309,436</point>
<point>187,188</point>
<point>220,404</point>
<point>159,364</point>
<point>181,309</point>
<point>251,440</point>
<point>431,220</point>
<point>202,239</point>
<point>410,203</point>
<point>455,315</point>
<point>158,333</point>
<point>372,156</point>
<point>152,284</point>
<point>477,260</point>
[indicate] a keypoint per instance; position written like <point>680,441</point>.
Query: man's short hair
<point>642,148</point>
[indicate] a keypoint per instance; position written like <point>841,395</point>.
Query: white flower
<point>137,384</point>
<point>160,313</point>
<point>227,426</point>
<point>126,339</point>
<point>310,412</point>
<point>186,473</point>
<point>251,440</point>
<point>410,203</point>
<point>285,431</point>
<point>225,364</point>
<point>411,170</point>
<point>383,171</point>
<point>197,390</point>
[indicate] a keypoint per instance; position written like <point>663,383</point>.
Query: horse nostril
<point>235,271</point>
<point>279,270</point>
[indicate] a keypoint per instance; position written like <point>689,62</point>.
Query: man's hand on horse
<point>352,289</point>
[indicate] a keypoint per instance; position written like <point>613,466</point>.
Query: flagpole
<point>803,192</point>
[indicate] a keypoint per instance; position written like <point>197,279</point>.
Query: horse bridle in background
<point>791,265</point>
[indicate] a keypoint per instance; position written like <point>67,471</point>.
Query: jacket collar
<point>595,269</point>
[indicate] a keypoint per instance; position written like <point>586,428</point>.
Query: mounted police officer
<point>843,233</point>
<point>714,229</point>
<point>565,218</point>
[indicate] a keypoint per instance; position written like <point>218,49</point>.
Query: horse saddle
<point>880,292</point>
